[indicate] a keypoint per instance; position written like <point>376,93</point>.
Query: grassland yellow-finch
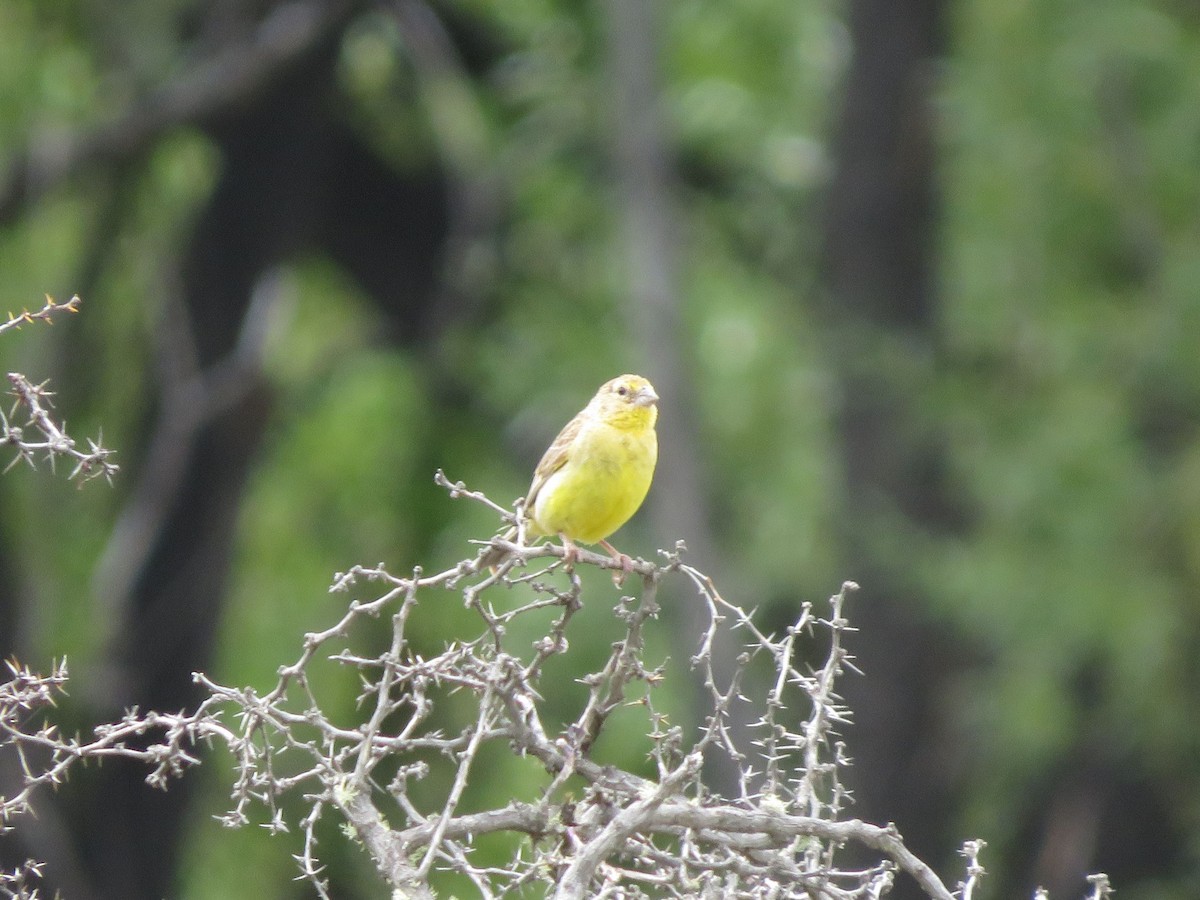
<point>596,474</point>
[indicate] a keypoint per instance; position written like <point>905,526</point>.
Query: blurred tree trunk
<point>647,185</point>
<point>879,277</point>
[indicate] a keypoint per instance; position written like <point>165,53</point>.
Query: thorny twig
<point>34,399</point>
<point>30,412</point>
<point>45,314</point>
<point>593,828</point>
<point>975,871</point>
<point>21,882</point>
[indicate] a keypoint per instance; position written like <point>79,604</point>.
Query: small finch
<point>596,473</point>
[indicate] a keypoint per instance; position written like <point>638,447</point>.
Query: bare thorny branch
<point>29,428</point>
<point>594,829</point>
<point>45,314</point>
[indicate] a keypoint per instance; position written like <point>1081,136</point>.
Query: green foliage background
<point>1064,385</point>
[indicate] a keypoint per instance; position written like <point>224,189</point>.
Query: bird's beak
<point>645,396</point>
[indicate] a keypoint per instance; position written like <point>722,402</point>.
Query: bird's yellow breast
<point>602,484</point>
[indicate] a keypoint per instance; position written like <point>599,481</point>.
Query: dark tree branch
<point>231,77</point>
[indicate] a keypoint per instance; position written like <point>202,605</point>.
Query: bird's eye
<point>622,390</point>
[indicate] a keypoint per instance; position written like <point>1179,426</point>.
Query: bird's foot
<point>622,559</point>
<point>570,553</point>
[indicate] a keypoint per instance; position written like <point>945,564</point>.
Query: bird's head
<point>627,402</point>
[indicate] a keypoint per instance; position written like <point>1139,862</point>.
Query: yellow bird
<point>596,474</point>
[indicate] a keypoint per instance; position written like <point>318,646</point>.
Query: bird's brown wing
<point>555,457</point>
